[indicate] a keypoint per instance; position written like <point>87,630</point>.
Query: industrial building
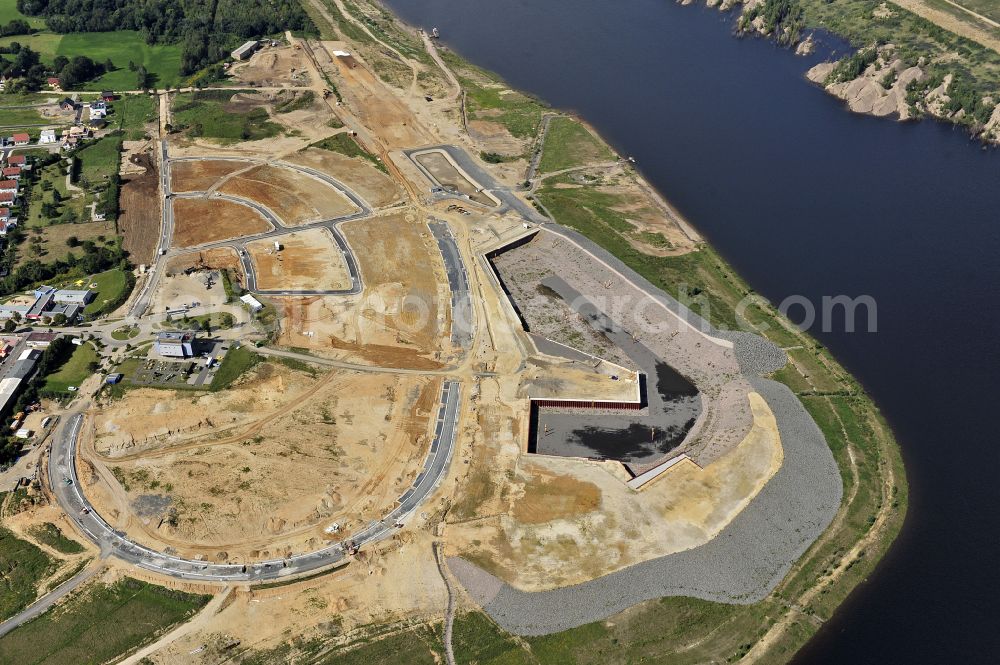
<point>175,344</point>
<point>50,302</point>
<point>245,51</point>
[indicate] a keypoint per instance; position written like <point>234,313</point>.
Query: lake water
<point>803,197</point>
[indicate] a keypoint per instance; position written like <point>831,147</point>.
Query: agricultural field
<point>162,61</point>
<point>99,623</point>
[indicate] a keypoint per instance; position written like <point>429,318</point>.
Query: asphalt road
<point>65,485</point>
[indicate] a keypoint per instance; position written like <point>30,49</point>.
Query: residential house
<point>4,214</point>
<point>97,112</point>
<point>54,83</point>
<point>67,104</point>
<point>18,160</point>
<point>107,95</point>
<point>97,123</point>
<point>6,199</point>
<point>47,136</point>
<point>11,173</point>
<point>20,139</point>
<point>8,186</point>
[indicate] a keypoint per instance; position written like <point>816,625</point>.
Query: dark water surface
<point>806,198</point>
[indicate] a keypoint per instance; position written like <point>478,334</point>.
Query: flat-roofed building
<point>245,51</point>
<point>175,344</point>
<point>73,297</point>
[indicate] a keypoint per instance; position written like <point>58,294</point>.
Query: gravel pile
<point>741,565</point>
<point>756,355</point>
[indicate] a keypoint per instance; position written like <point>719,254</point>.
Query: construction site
<point>444,393</point>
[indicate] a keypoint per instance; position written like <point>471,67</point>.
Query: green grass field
<point>99,624</point>
<point>73,372</point>
<point>99,159</point>
<point>131,113</point>
<point>8,12</point>
<point>234,364</point>
<point>162,61</point>
<point>569,144</point>
<point>124,333</point>
<point>207,114</point>
<point>71,206</point>
<point>49,534</point>
<point>111,284</point>
<point>22,567</point>
<point>20,117</point>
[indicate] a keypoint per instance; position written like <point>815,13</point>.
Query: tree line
<point>207,29</point>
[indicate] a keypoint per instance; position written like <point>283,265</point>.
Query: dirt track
<point>139,218</point>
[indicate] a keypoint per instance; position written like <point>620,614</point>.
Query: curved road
<point>65,484</point>
<point>164,250</point>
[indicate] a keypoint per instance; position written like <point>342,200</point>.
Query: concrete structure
<point>47,136</point>
<point>73,297</point>
<point>246,50</point>
<point>252,303</point>
<point>175,344</point>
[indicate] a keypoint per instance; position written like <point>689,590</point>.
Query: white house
<point>47,136</point>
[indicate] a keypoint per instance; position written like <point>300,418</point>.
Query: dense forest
<point>208,29</point>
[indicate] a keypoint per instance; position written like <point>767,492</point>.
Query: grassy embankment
<point>209,114</point>
<point>684,630</point>
<point>346,145</point>
<point>234,364</point>
<point>23,566</point>
<point>49,534</point>
<point>569,144</point>
<point>101,623</point>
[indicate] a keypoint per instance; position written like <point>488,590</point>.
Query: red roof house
<point>17,160</point>
<point>6,197</point>
<point>12,172</point>
<point>21,139</point>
